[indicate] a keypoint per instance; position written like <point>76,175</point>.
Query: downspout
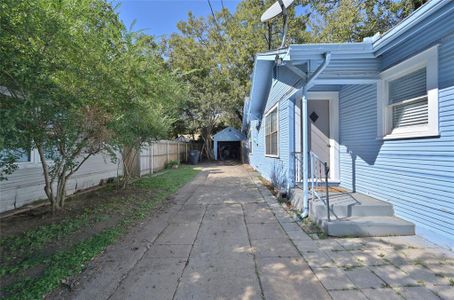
<point>304,133</point>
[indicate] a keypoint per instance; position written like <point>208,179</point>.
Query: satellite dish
<point>279,7</point>
<point>275,10</point>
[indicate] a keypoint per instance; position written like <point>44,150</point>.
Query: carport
<point>227,144</point>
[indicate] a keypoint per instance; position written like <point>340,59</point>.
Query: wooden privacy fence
<point>156,155</point>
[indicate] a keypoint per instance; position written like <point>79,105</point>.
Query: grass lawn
<point>39,251</point>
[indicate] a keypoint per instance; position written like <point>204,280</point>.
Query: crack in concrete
<point>262,294</point>
<point>148,247</point>
<point>190,252</point>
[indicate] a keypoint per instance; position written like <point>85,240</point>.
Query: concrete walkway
<point>224,236</point>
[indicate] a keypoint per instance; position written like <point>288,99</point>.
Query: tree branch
<point>74,170</point>
<point>48,183</point>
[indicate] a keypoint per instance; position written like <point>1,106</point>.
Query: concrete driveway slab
<point>289,278</point>
<point>381,294</point>
<point>318,259</point>
<point>209,277</point>
<point>266,231</point>
<point>424,276</point>
<point>363,278</point>
<point>169,251</point>
<point>152,279</point>
<point>189,214</point>
<point>334,278</point>
<point>225,236</point>
<point>393,276</point>
<point>347,295</point>
<point>274,247</point>
<point>179,234</point>
<point>444,292</point>
<point>344,259</point>
<point>417,293</point>
<point>306,246</point>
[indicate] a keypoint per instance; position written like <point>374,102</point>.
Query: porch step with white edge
<point>351,205</point>
<point>355,214</point>
<point>368,226</point>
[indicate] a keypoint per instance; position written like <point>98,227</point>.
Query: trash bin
<point>194,157</point>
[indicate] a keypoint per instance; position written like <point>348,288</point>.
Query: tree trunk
<point>128,156</point>
<point>61,191</point>
<point>206,136</point>
<point>48,188</point>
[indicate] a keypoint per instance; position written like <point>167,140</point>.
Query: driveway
<point>224,236</point>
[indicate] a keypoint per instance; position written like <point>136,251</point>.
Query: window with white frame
<point>409,97</point>
<point>272,132</point>
<point>20,155</point>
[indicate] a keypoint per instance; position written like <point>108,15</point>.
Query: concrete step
<point>367,226</point>
<point>344,205</point>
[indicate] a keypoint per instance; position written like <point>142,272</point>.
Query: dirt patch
<point>75,205</point>
<point>36,241</point>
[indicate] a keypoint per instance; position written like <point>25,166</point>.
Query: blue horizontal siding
<point>415,175</point>
<point>356,68</point>
<point>273,169</point>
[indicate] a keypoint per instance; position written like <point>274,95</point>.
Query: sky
<point>160,17</point>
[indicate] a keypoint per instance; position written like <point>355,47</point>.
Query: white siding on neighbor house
<point>415,175</point>
<point>26,184</point>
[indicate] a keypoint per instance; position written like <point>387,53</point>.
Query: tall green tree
<point>216,53</point>
<point>55,57</point>
<point>215,56</point>
<point>353,20</point>
<point>74,83</point>
<point>148,95</point>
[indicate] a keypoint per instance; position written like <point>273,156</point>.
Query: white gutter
<point>304,133</point>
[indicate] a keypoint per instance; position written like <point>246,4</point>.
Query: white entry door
<point>319,128</point>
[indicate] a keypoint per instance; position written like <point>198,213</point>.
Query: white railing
<point>298,167</point>
<point>319,181</point>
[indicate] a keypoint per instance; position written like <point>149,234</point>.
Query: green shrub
<point>173,164</point>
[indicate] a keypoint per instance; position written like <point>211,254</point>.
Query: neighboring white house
<point>26,184</point>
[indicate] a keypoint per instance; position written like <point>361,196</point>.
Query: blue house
<point>379,113</point>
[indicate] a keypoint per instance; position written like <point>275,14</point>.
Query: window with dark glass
<point>271,133</point>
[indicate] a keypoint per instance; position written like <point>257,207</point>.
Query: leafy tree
<point>148,95</point>
<point>353,20</point>
<point>55,57</point>
<point>216,54</point>
<point>74,83</point>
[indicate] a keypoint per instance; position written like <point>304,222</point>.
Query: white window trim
<point>274,107</point>
<point>427,59</point>
<point>32,163</point>
<point>334,151</point>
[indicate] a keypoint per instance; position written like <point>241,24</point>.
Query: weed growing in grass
<point>36,239</point>
<point>311,228</point>
<point>62,265</point>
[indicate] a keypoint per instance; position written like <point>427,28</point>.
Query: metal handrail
<point>318,179</point>
<point>298,167</point>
